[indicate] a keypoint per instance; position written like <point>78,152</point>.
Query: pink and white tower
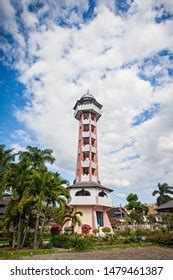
<point>87,194</point>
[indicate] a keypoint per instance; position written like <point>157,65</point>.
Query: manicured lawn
<point>6,253</point>
<point>15,254</point>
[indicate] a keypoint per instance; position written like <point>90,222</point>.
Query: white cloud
<point>21,135</point>
<point>17,148</point>
<point>70,60</point>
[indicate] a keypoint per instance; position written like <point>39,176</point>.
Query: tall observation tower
<point>87,112</point>
<point>87,193</point>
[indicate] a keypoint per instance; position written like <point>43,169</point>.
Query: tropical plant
<point>17,180</point>
<point>164,191</point>
<point>75,218</point>
<point>37,157</point>
<point>33,189</point>
<point>80,243</point>
<point>6,158</point>
<point>46,188</point>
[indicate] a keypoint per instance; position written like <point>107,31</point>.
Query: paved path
<point>140,253</point>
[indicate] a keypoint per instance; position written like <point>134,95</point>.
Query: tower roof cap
<point>88,95</point>
<point>85,97</point>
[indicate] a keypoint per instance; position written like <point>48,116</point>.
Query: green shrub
<point>106,229</point>
<point>80,243</point>
<point>143,232</point>
<point>126,241</point>
<point>161,238</point>
<point>55,230</point>
<point>46,235</point>
<point>47,246</point>
<point>30,238</point>
<point>61,241</point>
<point>95,230</point>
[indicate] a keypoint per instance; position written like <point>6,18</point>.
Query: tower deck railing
<point>87,107</point>
<point>91,200</point>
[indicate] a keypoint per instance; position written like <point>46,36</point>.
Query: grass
<point>15,254</point>
<point>28,252</point>
<point>124,246</point>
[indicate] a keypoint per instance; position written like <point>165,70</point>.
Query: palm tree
<point>164,191</point>
<point>17,181</point>
<point>55,193</point>
<point>75,219</point>
<point>6,158</point>
<point>37,157</point>
<point>46,188</point>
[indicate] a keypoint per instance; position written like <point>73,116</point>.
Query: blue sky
<point>53,51</point>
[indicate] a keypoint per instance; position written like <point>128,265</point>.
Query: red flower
<point>56,226</point>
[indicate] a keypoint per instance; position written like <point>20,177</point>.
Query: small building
<point>117,216</point>
<point>166,207</point>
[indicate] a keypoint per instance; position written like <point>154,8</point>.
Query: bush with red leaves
<point>86,228</point>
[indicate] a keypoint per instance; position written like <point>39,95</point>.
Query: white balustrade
<point>93,149</point>
<point>85,163</point>
<point>87,107</point>
<point>104,201</point>
<point>83,200</point>
<point>94,165</point>
<point>86,148</point>
<point>93,123</point>
<point>85,134</point>
<point>93,135</point>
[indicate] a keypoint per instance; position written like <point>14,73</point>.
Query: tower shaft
<point>87,154</point>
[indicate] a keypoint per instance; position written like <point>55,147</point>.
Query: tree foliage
<point>137,209</point>
<point>33,189</point>
<point>164,193</point>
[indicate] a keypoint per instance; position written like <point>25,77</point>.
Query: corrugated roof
<point>166,206</point>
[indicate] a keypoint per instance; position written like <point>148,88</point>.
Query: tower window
<point>82,192</point>
<point>92,117</point>
<point>85,155</point>
<point>85,171</point>
<point>86,140</point>
<point>92,128</point>
<point>92,142</point>
<point>102,194</point>
<point>86,127</point>
<point>92,156</point>
<point>93,171</point>
<point>99,215</point>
